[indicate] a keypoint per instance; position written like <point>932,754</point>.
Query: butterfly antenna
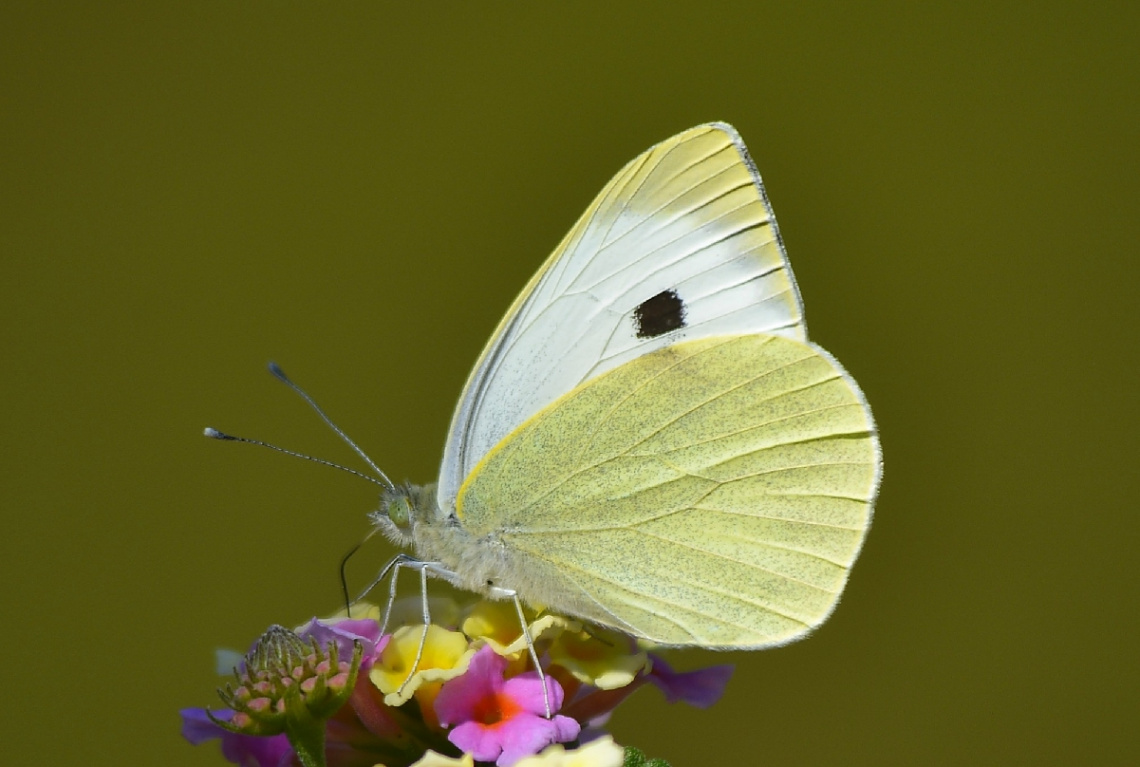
<point>215,434</point>
<point>280,375</point>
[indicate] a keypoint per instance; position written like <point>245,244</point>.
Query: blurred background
<point>358,193</point>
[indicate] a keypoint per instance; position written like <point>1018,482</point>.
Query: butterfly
<point>649,441</point>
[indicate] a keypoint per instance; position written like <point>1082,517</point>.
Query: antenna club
<point>215,434</point>
<point>280,375</point>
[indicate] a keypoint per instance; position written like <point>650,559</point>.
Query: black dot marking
<point>658,315</point>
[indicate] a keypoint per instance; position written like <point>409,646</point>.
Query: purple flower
<point>246,750</point>
<point>700,688</point>
<point>344,633</point>
<point>501,720</point>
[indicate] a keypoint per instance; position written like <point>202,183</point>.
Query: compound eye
<point>400,512</point>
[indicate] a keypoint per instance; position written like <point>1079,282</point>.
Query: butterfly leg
<point>392,568</point>
<point>498,592</point>
<point>425,568</point>
<point>401,560</point>
<point>392,572</point>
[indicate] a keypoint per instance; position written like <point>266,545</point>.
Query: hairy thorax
<point>411,517</point>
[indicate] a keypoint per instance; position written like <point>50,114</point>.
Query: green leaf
<point>635,758</point>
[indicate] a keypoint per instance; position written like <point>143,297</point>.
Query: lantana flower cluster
<point>338,693</point>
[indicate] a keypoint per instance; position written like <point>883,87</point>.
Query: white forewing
<point>688,219</point>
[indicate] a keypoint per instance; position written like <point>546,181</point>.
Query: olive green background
<point>359,191</point>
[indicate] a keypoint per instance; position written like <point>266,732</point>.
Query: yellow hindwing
<point>714,492</point>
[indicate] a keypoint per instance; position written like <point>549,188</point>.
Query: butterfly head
<point>401,508</point>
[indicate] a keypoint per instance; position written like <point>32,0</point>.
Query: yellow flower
<point>360,610</point>
<point>406,612</point>
<point>497,624</point>
<point>599,658</point>
<point>602,752</point>
<point>443,611</point>
<point>432,759</point>
<point>445,656</point>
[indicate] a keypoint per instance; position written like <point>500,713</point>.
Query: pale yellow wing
<point>680,244</point>
<point>714,492</point>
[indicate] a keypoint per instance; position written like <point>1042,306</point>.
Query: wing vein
<point>713,554</point>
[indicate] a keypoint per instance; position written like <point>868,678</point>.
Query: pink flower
<point>501,720</point>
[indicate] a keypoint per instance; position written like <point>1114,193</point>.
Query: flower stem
<point>306,735</point>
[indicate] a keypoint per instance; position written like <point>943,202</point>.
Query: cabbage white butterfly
<point>649,441</point>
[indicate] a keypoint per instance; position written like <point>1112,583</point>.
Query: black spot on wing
<point>658,315</point>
